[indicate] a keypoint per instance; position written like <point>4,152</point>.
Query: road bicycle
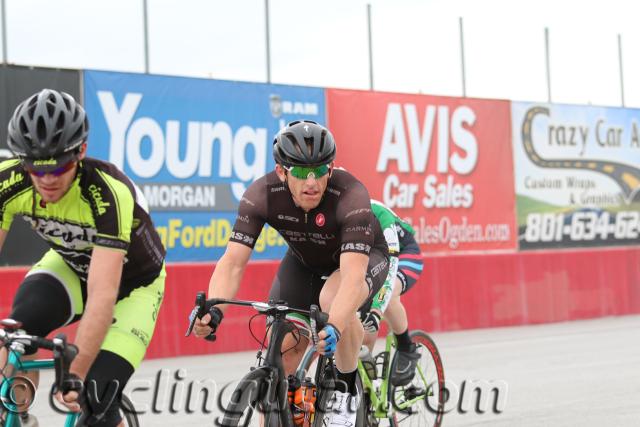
<point>14,339</point>
<point>420,403</point>
<point>264,389</point>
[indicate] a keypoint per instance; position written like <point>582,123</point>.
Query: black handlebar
<point>63,352</point>
<point>318,318</point>
<point>63,355</point>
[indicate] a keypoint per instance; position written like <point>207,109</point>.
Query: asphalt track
<point>581,373</point>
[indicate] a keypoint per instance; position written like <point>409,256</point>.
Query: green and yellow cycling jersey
<point>101,208</point>
<point>390,219</point>
<point>396,233</point>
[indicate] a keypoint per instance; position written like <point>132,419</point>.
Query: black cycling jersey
<point>342,222</point>
<point>101,208</point>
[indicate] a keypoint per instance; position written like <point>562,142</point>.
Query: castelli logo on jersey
<point>319,220</point>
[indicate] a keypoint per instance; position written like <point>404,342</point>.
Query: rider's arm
<point>102,291</point>
<point>353,269</point>
<point>357,236</point>
<point>114,218</point>
<point>225,280</point>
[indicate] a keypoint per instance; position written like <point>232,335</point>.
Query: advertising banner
<point>577,178</point>
<point>193,146</point>
<point>444,164</point>
<point>17,83</point>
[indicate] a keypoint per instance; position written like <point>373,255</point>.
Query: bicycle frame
<point>17,364</point>
<point>271,371</point>
<point>379,401</point>
<point>273,362</point>
<point>380,397</point>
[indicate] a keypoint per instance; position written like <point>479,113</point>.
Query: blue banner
<point>193,146</point>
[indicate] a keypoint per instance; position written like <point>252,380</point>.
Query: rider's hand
<point>207,326</point>
<point>371,322</point>
<point>329,337</point>
<point>69,396</point>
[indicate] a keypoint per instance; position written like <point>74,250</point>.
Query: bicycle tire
<point>324,396</point>
<point>432,410</point>
<point>128,411</point>
<point>244,400</point>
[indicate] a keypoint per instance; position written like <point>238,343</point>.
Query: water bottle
<point>309,394</point>
<point>296,401</point>
<point>368,362</point>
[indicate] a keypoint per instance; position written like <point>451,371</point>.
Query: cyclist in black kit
<point>337,255</point>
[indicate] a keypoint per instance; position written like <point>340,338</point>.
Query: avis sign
<point>409,147</point>
<point>444,164</point>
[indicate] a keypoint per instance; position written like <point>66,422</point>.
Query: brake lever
<point>318,320</point>
<point>197,312</point>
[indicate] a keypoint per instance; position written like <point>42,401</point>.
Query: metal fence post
<point>462,60</point>
<point>546,50</point>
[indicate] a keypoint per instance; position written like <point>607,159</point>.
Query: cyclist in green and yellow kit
<point>405,267</point>
<point>105,265</point>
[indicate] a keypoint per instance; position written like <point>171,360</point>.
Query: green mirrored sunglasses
<point>302,172</point>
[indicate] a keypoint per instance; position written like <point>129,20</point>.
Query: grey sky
<point>324,43</point>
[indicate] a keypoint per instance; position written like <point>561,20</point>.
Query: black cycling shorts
<point>410,262</point>
<point>43,305</point>
<point>300,287</point>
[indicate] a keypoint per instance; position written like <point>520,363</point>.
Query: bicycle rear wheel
<point>427,389</point>
<point>128,412</point>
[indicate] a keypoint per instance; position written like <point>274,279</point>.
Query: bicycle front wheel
<point>325,394</point>
<point>421,403</point>
<point>243,408</point>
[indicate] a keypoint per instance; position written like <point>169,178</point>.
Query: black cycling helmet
<point>304,143</point>
<point>47,130</point>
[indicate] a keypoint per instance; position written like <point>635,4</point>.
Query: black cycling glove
<point>216,318</point>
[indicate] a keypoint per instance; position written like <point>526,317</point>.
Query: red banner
<point>444,164</point>
<point>455,292</point>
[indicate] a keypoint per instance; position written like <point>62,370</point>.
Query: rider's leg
<point>345,400</point>
<point>105,380</point>
<point>406,358</point>
<point>370,340</point>
<point>348,347</point>
<point>294,347</point>
<point>42,305</point>
<point>297,287</point>
<point>396,315</point>
<point>122,351</point>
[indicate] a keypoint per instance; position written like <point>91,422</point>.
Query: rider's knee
<point>354,329</point>
<point>325,300</point>
<point>295,344</point>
